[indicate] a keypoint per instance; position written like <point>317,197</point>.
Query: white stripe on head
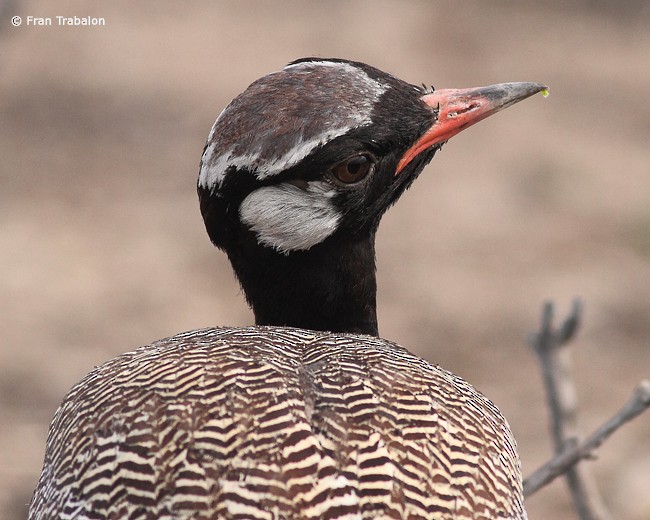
<point>283,117</point>
<point>288,218</point>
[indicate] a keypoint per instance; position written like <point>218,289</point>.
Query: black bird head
<point>299,168</point>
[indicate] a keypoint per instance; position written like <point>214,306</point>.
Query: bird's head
<point>320,149</point>
<point>299,169</point>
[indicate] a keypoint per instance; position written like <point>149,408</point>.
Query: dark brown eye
<point>353,169</point>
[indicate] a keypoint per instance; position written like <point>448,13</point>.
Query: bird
<point>308,413</point>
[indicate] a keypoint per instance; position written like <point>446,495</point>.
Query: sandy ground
<point>102,248</point>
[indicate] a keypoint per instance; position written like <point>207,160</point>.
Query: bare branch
<point>637,404</point>
<point>557,372</point>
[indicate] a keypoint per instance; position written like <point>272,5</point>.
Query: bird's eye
<point>353,169</point>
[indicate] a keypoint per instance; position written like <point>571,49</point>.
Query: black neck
<point>331,287</point>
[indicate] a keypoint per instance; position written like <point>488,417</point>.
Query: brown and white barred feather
<point>277,423</point>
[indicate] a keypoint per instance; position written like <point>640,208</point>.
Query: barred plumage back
<point>270,422</point>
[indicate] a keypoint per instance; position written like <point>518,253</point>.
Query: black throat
<point>330,287</point>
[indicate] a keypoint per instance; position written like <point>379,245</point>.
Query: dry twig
<point>556,363</point>
<point>637,404</point>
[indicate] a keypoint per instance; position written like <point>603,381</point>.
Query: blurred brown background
<point>102,248</point>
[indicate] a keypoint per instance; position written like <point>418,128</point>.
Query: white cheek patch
<point>288,218</point>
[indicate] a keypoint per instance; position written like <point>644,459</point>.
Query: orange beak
<point>458,109</point>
